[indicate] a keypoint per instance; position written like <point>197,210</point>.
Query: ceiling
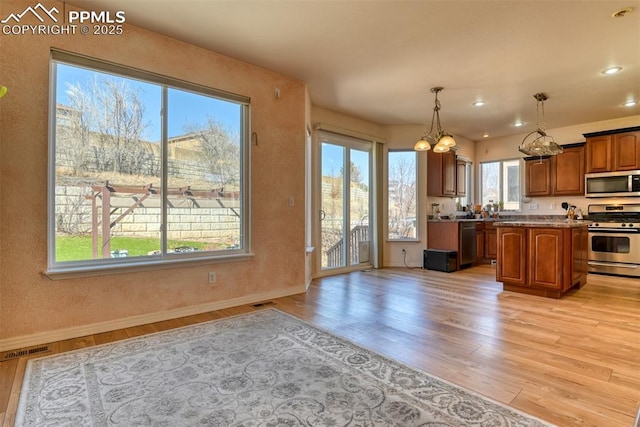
<point>377,60</point>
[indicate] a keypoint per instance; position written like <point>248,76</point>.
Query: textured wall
<point>31,304</point>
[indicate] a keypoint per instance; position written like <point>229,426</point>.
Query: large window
<point>402,195</point>
<point>143,169</point>
<point>500,184</point>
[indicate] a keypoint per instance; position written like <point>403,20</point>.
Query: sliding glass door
<point>345,205</point>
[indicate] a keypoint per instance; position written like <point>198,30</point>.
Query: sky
<point>184,107</point>
<point>333,160</point>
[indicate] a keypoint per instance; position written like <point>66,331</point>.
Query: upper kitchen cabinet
<point>613,150</point>
<point>599,154</point>
<point>446,175</point>
<point>626,151</point>
<point>567,171</point>
<point>441,174</point>
<point>537,177</point>
<point>561,175</point>
<point>461,178</point>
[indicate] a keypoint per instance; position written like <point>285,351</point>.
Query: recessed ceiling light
<point>630,103</point>
<point>479,103</point>
<point>518,124</point>
<point>485,135</point>
<point>612,70</point>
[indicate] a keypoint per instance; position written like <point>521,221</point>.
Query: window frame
<point>95,267</point>
<point>501,182</point>
<point>415,170</point>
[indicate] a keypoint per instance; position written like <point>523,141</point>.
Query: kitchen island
<point>545,258</point>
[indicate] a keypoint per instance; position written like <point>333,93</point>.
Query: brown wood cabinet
<point>511,268</point>
<point>567,172</point>
<point>538,177</point>
<point>446,175</point>
<point>626,151</point>
<point>561,175</point>
<point>545,261</point>
<point>447,236</point>
<point>546,246</point>
<point>599,154</point>
<point>441,174</point>
<point>479,241</point>
<point>580,256</point>
<point>613,150</point>
<point>442,235</point>
<point>490,240</point>
<point>461,178</point>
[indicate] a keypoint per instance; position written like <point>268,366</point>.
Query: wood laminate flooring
<point>572,362</point>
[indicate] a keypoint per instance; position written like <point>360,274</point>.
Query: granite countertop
<point>504,217</point>
<point>567,223</point>
<point>430,219</point>
<point>506,220</point>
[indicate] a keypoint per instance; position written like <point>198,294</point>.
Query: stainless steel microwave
<point>613,184</point>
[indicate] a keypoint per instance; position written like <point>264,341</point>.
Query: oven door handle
<point>613,264</point>
<point>615,230</point>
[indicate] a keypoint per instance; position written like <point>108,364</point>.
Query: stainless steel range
<point>614,239</point>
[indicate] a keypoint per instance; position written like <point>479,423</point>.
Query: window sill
<point>72,272</point>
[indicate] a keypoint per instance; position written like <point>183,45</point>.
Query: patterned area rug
<point>265,368</point>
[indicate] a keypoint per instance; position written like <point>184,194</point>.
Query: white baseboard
<point>40,338</point>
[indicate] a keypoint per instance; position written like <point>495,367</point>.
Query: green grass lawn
<point>76,248</point>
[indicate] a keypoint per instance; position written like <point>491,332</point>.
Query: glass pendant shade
<point>440,148</point>
<point>422,145</point>
<point>447,141</point>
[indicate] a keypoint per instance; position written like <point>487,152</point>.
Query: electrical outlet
<point>404,251</point>
<point>212,277</point>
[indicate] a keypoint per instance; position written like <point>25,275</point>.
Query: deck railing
<point>335,254</point>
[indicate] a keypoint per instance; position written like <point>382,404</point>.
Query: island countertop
<point>567,223</point>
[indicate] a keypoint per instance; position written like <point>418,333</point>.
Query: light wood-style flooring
<point>572,362</point>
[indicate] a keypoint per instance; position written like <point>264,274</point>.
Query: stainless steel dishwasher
<point>467,242</point>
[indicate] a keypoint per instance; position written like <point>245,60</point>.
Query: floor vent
<point>262,304</point>
<point>13,354</point>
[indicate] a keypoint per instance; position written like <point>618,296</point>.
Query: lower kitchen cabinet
<point>458,236</point>
<point>511,266</point>
<point>479,241</point>
<point>546,257</point>
<point>490,240</point>
<point>545,261</point>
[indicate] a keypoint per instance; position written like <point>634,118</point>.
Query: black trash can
<point>440,260</point>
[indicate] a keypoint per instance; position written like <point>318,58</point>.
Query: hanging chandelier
<point>538,142</point>
<point>440,140</point>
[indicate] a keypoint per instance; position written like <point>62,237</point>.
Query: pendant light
<point>538,142</point>
<point>440,140</point>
